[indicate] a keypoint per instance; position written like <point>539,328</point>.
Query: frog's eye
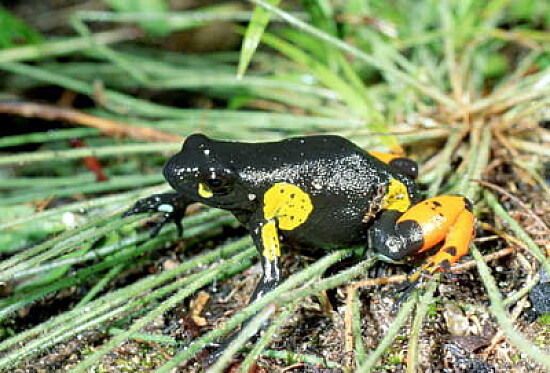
<point>217,182</point>
<point>214,183</point>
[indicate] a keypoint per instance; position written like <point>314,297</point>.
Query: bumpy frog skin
<point>322,192</point>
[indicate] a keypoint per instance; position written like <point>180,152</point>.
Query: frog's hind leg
<point>455,246</point>
<point>446,219</point>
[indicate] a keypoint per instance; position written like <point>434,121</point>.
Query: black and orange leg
<point>446,219</point>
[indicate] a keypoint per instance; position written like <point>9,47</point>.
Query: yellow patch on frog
<point>204,192</point>
<point>397,197</point>
<point>288,204</point>
<point>270,241</point>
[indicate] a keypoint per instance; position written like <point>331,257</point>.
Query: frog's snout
<point>177,173</point>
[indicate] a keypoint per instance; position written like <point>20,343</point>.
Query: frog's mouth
<point>230,199</point>
<point>205,191</point>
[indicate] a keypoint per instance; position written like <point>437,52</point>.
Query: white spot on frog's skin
<point>251,197</point>
<point>317,186</point>
<point>206,151</point>
<point>345,175</point>
<point>393,244</point>
<point>165,208</point>
<point>268,274</point>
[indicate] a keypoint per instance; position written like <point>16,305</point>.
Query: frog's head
<point>200,173</point>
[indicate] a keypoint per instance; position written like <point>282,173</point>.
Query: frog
<point>321,192</point>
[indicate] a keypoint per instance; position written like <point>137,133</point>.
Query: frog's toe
<point>170,205</point>
<point>179,226</point>
<point>212,357</point>
<point>148,204</point>
<point>135,209</point>
<point>217,351</point>
<point>175,217</point>
<point>402,292</point>
<point>158,226</point>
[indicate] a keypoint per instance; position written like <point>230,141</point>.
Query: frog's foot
<point>219,349</point>
<point>213,356</point>
<point>401,293</point>
<point>170,205</point>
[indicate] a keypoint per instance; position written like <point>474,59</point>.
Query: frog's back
<point>296,160</point>
<point>287,151</point>
<point>340,178</point>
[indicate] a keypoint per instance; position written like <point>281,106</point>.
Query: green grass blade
<point>258,22</point>
<point>157,28</point>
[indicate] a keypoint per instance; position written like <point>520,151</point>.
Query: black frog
<point>322,192</point>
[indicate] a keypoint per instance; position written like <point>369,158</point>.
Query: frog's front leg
<point>285,208</point>
<point>265,235</point>
<point>446,219</point>
<point>266,238</point>
<point>171,205</point>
